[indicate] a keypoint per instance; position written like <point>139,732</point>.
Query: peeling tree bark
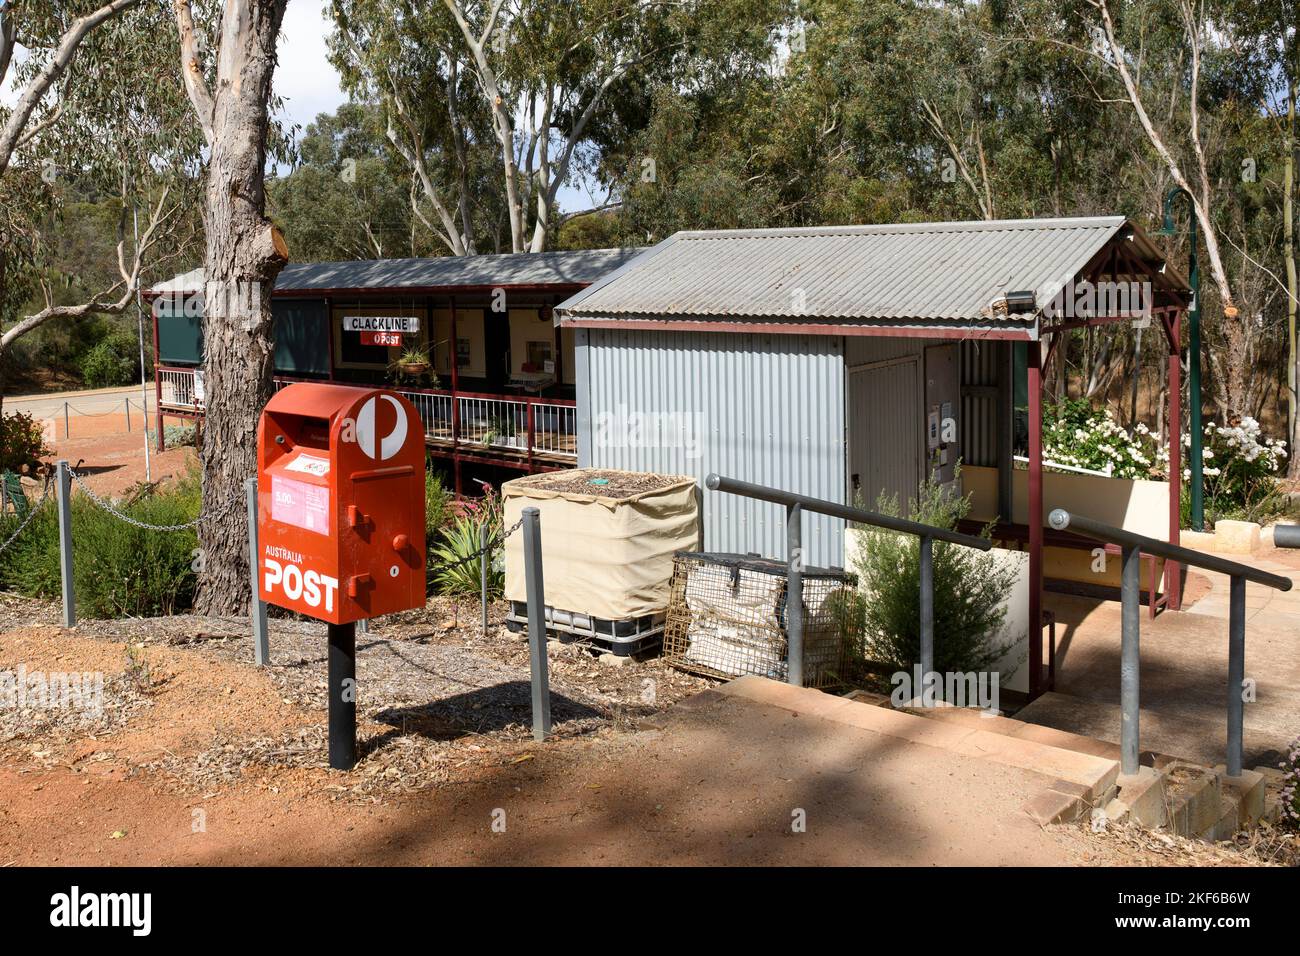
<point>243,256</point>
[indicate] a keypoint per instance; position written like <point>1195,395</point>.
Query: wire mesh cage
<point>727,618</point>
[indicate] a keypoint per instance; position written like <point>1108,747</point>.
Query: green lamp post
<point>1193,358</point>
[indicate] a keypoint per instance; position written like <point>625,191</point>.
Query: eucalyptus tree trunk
<point>244,254</point>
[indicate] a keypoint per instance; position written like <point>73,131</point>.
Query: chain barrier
<point>107,506</point>
<point>31,513</point>
<point>112,411</point>
<point>488,548</point>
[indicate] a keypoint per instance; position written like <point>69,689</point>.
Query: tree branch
<point>12,133</point>
<point>104,303</point>
<point>196,86</point>
<point>8,40</point>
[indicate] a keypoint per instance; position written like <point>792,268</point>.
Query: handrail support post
<point>928,676</point>
<point>1130,616</point>
<point>1236,672</point>
<point>794,594</point>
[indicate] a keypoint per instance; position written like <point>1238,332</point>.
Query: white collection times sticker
<point>309,465</point>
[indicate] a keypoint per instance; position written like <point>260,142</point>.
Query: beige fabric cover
<point>609,558</point>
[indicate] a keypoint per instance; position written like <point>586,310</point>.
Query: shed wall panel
<point>762,408</point>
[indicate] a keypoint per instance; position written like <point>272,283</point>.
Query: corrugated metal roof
<point>578,267</point>
<point>914,273</point>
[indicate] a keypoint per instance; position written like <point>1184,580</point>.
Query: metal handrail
<point>860,515</point>
<point>1132,546</point>
<point>795,505</point>
<point>1062,520</point>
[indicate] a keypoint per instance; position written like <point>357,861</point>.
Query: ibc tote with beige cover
<point>608,540</point>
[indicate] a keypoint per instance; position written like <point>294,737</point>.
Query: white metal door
<point>884,432</point>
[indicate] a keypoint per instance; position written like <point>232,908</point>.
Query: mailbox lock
<point>400,542</point>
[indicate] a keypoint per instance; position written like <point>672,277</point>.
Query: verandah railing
<point>522,426</point>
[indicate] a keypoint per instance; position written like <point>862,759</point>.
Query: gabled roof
<point>567,268</point>
<point>940,274</point>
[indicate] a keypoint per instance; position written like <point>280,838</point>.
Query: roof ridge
<point>897,228</point>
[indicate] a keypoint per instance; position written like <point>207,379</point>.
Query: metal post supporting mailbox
<point>343,696</point>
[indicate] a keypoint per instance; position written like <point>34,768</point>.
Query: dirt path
<point>196,757</point>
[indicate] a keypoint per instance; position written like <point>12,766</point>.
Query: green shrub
<point>22,444</point>
<point>454,572</point>
<point>177,435</point>
<point>118,568</point>
<point>30,565</point>
<point>113,360</point>
<point>437,505</point>
<point>970,590</point>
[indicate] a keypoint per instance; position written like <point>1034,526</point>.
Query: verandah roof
<point>562,268</point>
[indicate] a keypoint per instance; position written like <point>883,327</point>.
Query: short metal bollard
<point>257,607</point>
<point>483,571</point>
<point>536,593</point>
<point>63,485</point>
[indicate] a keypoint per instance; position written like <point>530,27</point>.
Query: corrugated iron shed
<point>912,275</point>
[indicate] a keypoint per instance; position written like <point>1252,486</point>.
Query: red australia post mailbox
<point>340,511</point>
<point>340,521</point>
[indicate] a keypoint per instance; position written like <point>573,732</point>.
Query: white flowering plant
<point>1077,434</point>
<point>1240,464</point>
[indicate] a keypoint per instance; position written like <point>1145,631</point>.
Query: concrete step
<point>1025,730</point>
<point>1194,739</point>
<point>1074,782</point>
<point>1180,795</point>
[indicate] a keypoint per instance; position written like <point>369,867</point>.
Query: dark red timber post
<point>1034,517</point>
<point>455,398</point>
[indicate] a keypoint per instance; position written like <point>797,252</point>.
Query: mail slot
<point>340,512</point>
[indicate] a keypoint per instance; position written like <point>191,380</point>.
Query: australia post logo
<point>282,573</point>
<point>365,431</point>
